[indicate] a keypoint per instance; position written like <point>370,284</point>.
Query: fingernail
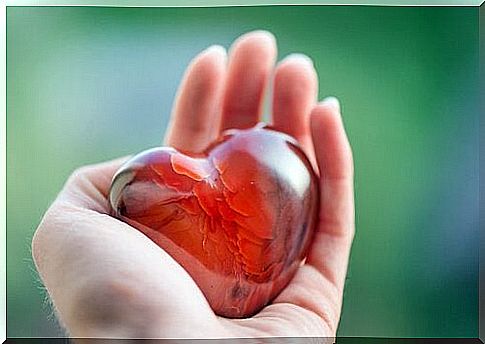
<point>300,58</point>
<point>332,101</point>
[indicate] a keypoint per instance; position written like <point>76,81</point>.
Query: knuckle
<point>79,174</point>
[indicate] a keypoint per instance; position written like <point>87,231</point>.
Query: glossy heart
<point>238,218</point>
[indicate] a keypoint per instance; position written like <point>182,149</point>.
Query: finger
<point>294,95</point>
<point>251,61</point>
<point>196,114</point>
<point>330,249</point>
<point>315,293</point>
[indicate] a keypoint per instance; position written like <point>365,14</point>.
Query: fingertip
<point>296,71</point>
<point>326,110</point>
<point>258,37</point>
<point>215,51</point>
<point>331,102</point>
<point>204,75</point>
<point>331,145</point>
<point>260,44</point>
<point>298,59</point>
<point>212,58</point>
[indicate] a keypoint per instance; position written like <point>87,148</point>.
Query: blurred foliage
<point>88,84</point>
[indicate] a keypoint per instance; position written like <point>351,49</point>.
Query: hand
<point>106,279</point>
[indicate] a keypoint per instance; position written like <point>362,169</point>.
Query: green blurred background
<point>89,84</point>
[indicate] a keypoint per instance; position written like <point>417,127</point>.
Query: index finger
<point>250,63</point>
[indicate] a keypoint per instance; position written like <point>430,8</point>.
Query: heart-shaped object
<point>238,218</point>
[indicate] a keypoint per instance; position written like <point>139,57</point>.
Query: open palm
<point>106,279</point>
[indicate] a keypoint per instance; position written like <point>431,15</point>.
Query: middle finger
<point>251,62</point>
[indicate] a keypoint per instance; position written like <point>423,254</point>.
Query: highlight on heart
<point>239,218</point>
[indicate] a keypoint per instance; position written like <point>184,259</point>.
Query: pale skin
<point>106,279</point>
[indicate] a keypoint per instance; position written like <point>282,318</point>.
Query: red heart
<point>238,218</point>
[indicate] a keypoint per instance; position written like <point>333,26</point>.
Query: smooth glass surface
<point>239,218</point>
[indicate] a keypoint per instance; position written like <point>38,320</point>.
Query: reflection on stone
<point>238,218</point>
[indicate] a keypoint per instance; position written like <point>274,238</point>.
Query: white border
<point>3,176</point>
<point>111,3</point>
<point>241,3</point>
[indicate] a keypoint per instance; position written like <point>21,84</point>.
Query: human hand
<point>106,279</point>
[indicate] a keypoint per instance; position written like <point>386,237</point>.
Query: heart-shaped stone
<point>238,218</point>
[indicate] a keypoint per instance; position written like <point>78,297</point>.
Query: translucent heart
<point>238,218</point>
